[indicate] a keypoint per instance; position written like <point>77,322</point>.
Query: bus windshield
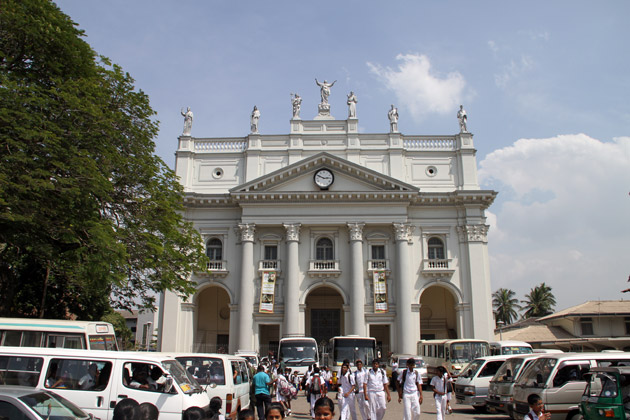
<point>464,352</point>
<point>297,352</point>
<point>353,349</point>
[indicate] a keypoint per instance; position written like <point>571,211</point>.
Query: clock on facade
<point>324,178</point>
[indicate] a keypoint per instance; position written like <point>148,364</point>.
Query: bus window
<point>31,339</point>
<point>12,338</point>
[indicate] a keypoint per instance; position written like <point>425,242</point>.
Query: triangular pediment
<point>349,179</point>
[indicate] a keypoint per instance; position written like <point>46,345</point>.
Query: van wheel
<point>481,408</point>
<point>576,416</point>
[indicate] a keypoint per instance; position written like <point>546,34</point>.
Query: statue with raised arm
<point>463,118</point>
<point>253,121</point>
<point>296,101</point>
<point>352,105</point>
<point>188,119</point>
<point>325,89</point>
<point>393,119</point>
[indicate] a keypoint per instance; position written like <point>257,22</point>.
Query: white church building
<point>326,231</point>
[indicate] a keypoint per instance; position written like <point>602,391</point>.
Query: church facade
<point>326,231</point>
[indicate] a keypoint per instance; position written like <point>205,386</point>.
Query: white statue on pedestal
<point>325,90</point>
<point>463,118</point>
<point>253,121</point>
<point>296,101</point>
<point>393,119</point>
<point>352,105</point>
<point>188,119</point>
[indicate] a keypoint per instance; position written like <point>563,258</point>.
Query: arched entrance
<point>438,318</point>
<point>213,321</point>
<point>324,314</point>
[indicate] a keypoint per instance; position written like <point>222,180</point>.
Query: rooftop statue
<point>463,118</point>
<point>352,105</point>
<point>254,120</point>
<point>393,119</point>
<point>296,101</point>
<point>188,119</point>
<point>325,89</point>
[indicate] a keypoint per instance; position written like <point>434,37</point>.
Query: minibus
<point>96,380</point>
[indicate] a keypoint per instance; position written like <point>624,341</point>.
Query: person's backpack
<point>284,388</point>
<point>316,385</point>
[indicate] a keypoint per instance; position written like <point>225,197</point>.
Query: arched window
<point>324,250</point>
<point>214,249</point>
<point>436,249</point>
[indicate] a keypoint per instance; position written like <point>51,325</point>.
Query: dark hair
<point>246,414</point>
<point>315,370</point>
<point>194,413</point>
<point>376,361</point>
<point>260,368</point>
<point>441,370</point>
<point>275,406</point>
<point>126,409</point>
<point>325,402</point>
<point>533,399</point>
<point>148,411</point>
<point>215,406</point>
<point>358,361</point>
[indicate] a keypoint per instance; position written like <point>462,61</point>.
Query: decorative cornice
<point>356,231</point>
<point>293,232</point>
<point>402,231</point>
<point>246,231</point>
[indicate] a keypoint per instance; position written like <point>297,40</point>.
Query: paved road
<point>394,410</point>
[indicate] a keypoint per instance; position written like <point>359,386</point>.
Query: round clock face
<point>324,178</point>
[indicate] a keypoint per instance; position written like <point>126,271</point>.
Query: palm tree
<point>505,306</point>
<point>539,302</point>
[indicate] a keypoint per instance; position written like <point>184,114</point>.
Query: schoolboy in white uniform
<point>375,390</point>
<point>346,394</point>
<point>360,377</point>
<point>410,391</point>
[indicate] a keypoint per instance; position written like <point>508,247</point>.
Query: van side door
<point>565,388</point>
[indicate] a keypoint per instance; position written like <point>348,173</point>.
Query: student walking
<point>316,388</point>
<point>410,391</point>
<point>360,377</point>
<point>262,382</point>
<point>376,391</point>
<point>347,387</point>
<point>438,384</point>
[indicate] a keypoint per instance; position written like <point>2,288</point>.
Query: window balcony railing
<point>324,268</point>
<point>269,265</point>
<point>376,265</point>
<point>217,268</point>
<point>437,267</point>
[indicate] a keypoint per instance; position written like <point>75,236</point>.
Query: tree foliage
<point>505,306</point>
<point>539,302</point>
<point>89,216</point>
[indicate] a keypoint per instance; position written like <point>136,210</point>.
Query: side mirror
<point>168,384</point>
<point>539,380</point>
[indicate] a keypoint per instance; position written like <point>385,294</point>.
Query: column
<point>292,283</point>
<point>246,297</point>
<point>357,286</point>
<point>404,291</point>
<point>475,240</point>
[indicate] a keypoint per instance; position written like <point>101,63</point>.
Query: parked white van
<point>559,380</point>
<point>221,375</point>
<point>501,388</point>
<point>471,386</point>
<point>96,380</point>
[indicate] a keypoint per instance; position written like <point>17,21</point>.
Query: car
<point>26,403</point>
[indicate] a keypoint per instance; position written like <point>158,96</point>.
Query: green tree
<point>505,306</point>
<point>539,302</point>
<point>89,216</point>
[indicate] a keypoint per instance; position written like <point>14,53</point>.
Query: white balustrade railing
<point>430,143</point>
<point>222,145</point>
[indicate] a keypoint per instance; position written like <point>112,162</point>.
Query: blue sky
<point>545,85</point>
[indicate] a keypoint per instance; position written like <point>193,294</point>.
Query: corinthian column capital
<point>402,231</point>
<point>473,233</point>
<point>293,231</point>
<point>356,231</point>
<point>246,231</point>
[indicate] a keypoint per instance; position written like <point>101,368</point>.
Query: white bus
<point>498,348</point>
<point>29,332</point>
<point>298,353</point>
<point>352,348</point>
<point>452,354</point>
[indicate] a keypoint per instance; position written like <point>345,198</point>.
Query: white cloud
<point>564,215</point>
<point>420,89</point>
<point>514,70</point>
